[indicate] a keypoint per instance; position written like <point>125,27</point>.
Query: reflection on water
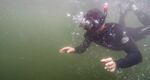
<point>32,31</point>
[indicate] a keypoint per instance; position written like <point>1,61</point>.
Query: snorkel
<point>105,9</point>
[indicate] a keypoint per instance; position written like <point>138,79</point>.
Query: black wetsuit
<point>117,37</point>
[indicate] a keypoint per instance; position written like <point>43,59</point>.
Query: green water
<point>32,32</point>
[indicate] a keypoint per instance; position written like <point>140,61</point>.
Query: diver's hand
<point>67,50</point>
<point>110,64</point>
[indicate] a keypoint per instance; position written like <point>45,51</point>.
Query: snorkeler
<point>113,36</point>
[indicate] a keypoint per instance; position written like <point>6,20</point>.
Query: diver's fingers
<point>70,50</point>
<point>106,60</point>
<point>63,50</point>
<point>110,69</point>
<point>109,63</point>
<point>110,66</point>
<point>67,50</point>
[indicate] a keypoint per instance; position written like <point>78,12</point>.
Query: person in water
<point>113,36</point>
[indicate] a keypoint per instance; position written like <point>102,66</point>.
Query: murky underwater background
<point>32,32</point>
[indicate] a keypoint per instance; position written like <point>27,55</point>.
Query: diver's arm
<point>133,55</point>
<point>79,49</point>
<point>83,46</point>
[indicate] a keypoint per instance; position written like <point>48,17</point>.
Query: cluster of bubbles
<point>76,18</point>
<point>75,21</point>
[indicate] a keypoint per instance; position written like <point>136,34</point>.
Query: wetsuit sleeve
<point>133,56</point>
<point>83,46</point>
